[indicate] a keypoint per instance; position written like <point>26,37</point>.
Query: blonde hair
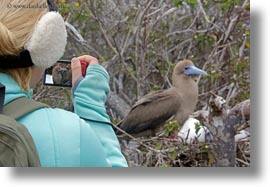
<point>17,22</point>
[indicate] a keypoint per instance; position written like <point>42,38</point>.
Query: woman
<point>30,42</point>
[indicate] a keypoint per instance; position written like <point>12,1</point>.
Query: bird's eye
<point>186,67</point>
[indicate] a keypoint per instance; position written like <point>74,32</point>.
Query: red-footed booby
<point>175,103</point>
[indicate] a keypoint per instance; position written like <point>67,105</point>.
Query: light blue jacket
<point>81,139</point>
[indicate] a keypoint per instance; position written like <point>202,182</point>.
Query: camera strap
<point>2,96</point>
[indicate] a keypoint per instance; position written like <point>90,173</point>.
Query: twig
<point>75,32</point>
<point>205,15</point>
<point>135,139</point>
<point>242,161</point>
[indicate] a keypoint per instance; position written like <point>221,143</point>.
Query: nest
<point>166,152</point>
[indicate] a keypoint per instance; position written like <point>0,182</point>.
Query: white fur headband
<point>48,40</point>
<point>45,46</point>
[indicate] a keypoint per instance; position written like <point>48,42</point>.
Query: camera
<point>60,74</point>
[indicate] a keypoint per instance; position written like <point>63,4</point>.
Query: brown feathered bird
<point>175,103</point>
<point>62,74</point>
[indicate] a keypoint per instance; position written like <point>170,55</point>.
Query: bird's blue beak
<point>192,70</point>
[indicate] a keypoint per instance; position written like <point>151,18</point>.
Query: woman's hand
<point>76,66</point>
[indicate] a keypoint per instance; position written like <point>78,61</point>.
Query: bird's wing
<point>149,98</point>
<point>151,110</point>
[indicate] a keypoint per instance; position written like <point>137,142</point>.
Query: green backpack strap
<point>21,106</point>
<point>17,145</point>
